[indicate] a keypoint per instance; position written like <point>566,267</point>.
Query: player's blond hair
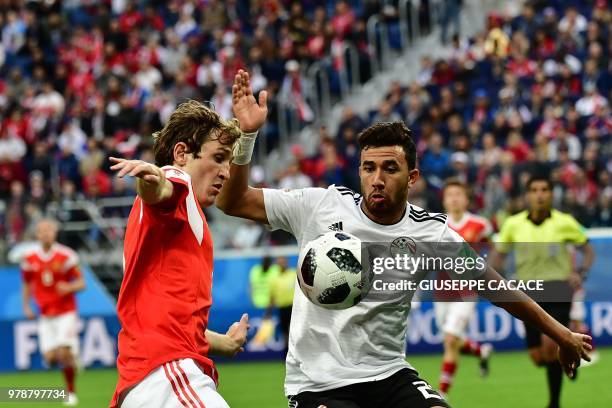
<point>194,124</point>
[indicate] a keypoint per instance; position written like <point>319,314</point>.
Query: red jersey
<point>165,295</point>
<point>44,270</point>
<point>473,229</point>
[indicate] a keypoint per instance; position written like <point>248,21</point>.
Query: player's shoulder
<point>421,216</point>
<point>175,174</point>
<point>344,193</point>
<point>477,219</point>
<point>64,251</point>
<point>561,216</point>
<point>516,219</point>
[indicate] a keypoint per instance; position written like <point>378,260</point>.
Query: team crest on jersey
<point>56,266</point>
<point>174,173</point>
<point>403,245</point>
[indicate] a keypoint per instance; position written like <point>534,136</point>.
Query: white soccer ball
<point>330,271</point>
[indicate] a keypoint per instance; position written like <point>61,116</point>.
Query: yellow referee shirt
<point>282,286</point>
<point>541,251</point>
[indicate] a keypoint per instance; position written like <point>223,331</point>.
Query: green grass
<point>514,383</point>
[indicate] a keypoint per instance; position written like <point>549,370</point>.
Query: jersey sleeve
<point>172,208</point>
<point>27,270</point>
<point>573,232</point>
<point>487,231</point>
<point>291,210</point>
<point>71,265</point>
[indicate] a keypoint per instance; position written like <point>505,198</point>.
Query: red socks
<point>471,347</point>
<point>69,374</point>
<point>446,376</point>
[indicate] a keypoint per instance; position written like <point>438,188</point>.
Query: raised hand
<point>573,351</point>
<point>247,110</point>
<point>152,185</point>
<point>138,168</point>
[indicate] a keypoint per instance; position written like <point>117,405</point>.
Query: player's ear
<point>179,153</point>
<point>413,176</point>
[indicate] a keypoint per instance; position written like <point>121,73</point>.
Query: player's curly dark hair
<point>390,134</point>
<point>193,124</point>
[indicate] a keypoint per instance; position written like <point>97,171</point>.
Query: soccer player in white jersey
<point>355,358</point>
<point>454,309</point>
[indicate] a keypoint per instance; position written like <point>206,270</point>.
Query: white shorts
<point>58,331</point>
<point>179,384</point>
<point>453,317</point>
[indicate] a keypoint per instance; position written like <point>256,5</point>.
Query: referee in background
<point>541,239</point>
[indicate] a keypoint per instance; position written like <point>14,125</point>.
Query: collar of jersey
<point>374,224</point>
<point>550,214</point>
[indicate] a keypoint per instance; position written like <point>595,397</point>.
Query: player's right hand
<point>237,333</point>
<point>148,172</point>
<point>29,313</point>
<point>573,350</point>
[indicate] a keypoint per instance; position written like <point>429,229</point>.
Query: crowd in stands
<point>82,81</point>
<point>530,94</point>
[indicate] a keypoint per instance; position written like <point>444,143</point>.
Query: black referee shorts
<point>559,310</point>
<point>403,389</point>
<point>561,292</point>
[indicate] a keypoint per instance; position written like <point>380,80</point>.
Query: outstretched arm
<point>236,197</point>
<point>151,185</point>
<point>572,346</point>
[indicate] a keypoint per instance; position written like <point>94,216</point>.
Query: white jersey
<point>333,348</point>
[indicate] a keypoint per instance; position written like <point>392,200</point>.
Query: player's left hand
<point>237,334</point>
<point>572,351</point>
<point>249,113</point>
<point>63,288</point>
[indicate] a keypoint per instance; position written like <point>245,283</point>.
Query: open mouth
<point>377,197</point>
<point>217,187</point>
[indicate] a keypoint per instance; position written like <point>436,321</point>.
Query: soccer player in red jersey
<point>51,276</point>
<point>452,317</point>
<point>165,296</point>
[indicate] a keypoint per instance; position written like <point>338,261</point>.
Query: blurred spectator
<point>293,178</point>
<point>449,14</point>
<point>295,90</point>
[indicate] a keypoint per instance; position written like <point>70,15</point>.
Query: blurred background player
<point>452,317</point>
<point>282,288</point>
<point>51,276</point>
<point>539,239</point>
<point>260,277</point>
<point>165,297</point>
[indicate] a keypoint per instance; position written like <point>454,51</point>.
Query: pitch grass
<point>514,383</point>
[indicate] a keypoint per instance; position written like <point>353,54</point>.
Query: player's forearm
<point>77,285</point>
<point>497,260</point>
<point>521,306</point>
<point>233,191</point>
<point>154,193</point>
<point>25,295</point>
<point>530,312</point>
<point>220,344</point>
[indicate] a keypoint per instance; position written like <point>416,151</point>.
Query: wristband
<point>243,149</point>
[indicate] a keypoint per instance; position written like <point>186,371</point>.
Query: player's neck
<point>390,218</point>
<point>456,216</point>
<point>47,247</point>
